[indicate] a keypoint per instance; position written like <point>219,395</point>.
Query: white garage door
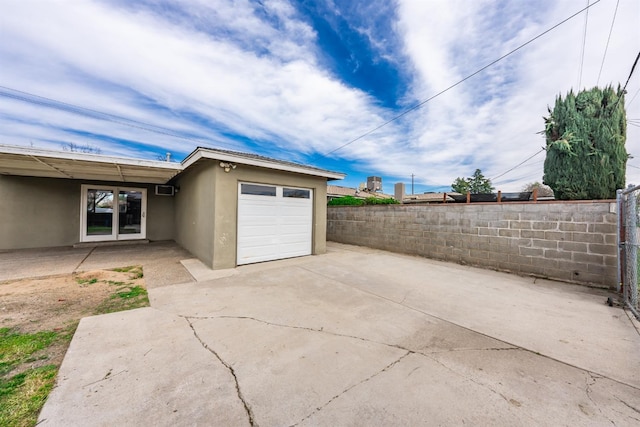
<point>274,222</point>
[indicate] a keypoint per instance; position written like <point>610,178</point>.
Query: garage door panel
<point>260,230</point>
<point>299,219</point>
<point>294,211</point>
<point>300,231</point>
<point>272,228</point>
<point>295,223</point>
<point>259,241</point>
<point>293,246</point>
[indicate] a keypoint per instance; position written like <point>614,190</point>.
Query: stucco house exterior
<point>227,208</point>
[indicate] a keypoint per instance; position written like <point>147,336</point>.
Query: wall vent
<point>165,190</point>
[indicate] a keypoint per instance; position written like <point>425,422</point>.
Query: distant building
<point>335,191</point>
<point>401,196</point>
<point>374,183</point>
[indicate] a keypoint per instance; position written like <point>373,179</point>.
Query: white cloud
<point>263,97</point>
<point>253,69</point>
<point>499,132</point>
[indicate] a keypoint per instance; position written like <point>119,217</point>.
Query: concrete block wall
<point>568,241</point>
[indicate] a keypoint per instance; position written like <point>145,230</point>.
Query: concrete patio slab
<point>201,273</point>
<point>571,323</point>
<point>160,261</point>
<point>355,337</point>
<point>25,263</point>
<point>141,367</point>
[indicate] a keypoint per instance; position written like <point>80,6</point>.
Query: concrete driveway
<point>354,337</point>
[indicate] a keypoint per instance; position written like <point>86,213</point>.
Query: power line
<point>521,177</point>
<point>634,97</point>
<point>519,164</point>
<point>420,104</point>
<point>23,96</point>
<point>608,39</point>
<point>633,68</point>
<point>584,42</point>
<point>64,106</point>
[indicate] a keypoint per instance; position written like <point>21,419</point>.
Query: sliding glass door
<point>113,213</point>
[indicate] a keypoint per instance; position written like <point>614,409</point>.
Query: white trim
<point>166,170</point>
<point>143,216</point>
<point>66,155</point>
<point>115,217</point>
<point>84,237</point>
<point>207,153</point>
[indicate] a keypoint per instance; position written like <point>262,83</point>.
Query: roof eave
<point>208,153</point>
<point>66,155</point>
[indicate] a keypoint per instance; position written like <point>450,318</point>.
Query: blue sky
<point>296,80</point>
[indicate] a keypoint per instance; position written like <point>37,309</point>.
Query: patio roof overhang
<point>26,161</point>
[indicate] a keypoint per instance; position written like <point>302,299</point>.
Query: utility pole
<point>412,175</point>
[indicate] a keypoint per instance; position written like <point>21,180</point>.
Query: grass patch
<point>125,298</point>
<point>124,269</point>
<point>16,348</point>
<point>134,270</point>
<point>133,292</point>
<point>24,382</point>
<point>23,395</point>
<point>116,283</point>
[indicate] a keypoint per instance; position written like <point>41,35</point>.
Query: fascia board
<point>98,158</point>
<point>226,157</point>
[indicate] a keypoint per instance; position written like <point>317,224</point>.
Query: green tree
<point>476,184</point>
<point>586,134</point>
<point>543,190</point>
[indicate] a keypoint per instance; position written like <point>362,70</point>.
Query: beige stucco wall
<point>226,194</point>
<point>37,212</point>
<point>160,215</point>
<point>194,207</point>
<point>207,208</point>
<point>202,216</point>
<point>45,212</point>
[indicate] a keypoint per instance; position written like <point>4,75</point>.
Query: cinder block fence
<point>569,241</point>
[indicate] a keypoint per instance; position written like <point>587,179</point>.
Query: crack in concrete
<point>594,378</point>
<point>84,259</point>
<point>107,376</point>
<point>474,349</point>
<point>588,385</point>
<point>246,405</point>
<point>337,334</point>
<point>409,307</point>
<point>408,351</point>
<point>473,380</point>
<point>396,346</point>
<point>386,368</point>
<point>627,405</point>
<point>310,329</point>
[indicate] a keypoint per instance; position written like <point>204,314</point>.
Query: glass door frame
<point>115,217</point>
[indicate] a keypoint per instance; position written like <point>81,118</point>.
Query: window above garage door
<point>274,222</point>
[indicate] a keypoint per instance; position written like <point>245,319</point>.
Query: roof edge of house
<point>90,157</point>
<point>177,167</point>
<point>257,160</point>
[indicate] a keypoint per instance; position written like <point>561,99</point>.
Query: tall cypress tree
<point>586,134</point>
